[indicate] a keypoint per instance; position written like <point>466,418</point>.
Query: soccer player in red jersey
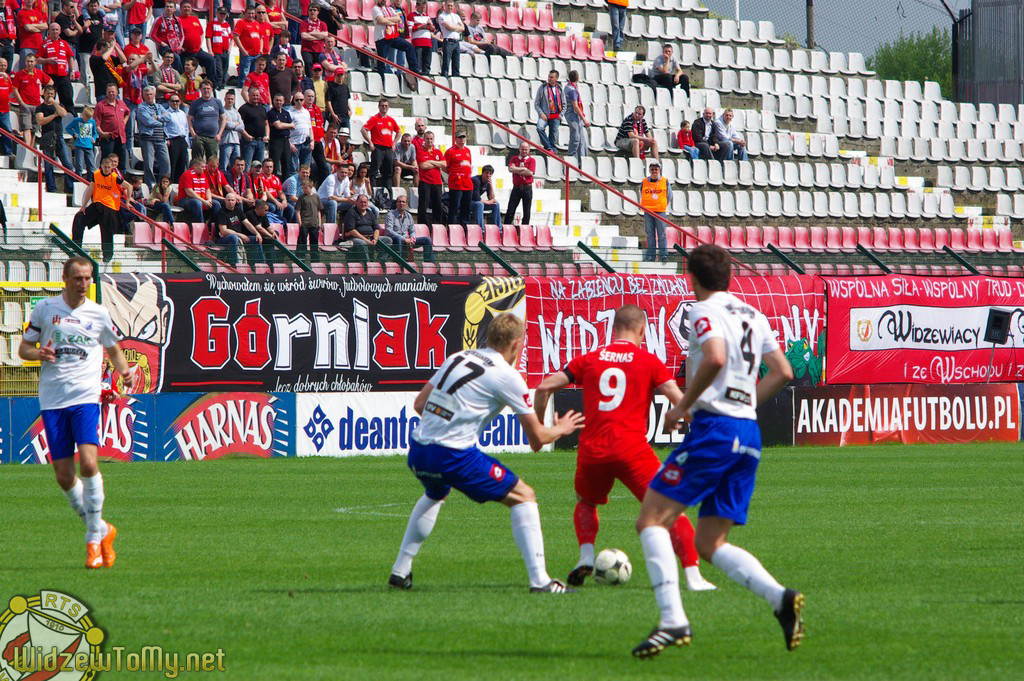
<point>618,382</point>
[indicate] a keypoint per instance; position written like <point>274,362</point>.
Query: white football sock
<point>421,524</point>
<point>74,497</point>
<point>744,569</point>
<point>664,573</point>
<point>526,530</point>
<point>92,494</point>
<point>586,555</point>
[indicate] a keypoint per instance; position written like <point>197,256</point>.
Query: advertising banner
<point>340,425</point>
<point>918,329</point>
<point>299,332</point>
<point>569,316</point>
<point>869,414</point>
<point>5,431</point>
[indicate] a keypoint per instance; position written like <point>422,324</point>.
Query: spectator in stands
<point>337,99</point>
<point>206,122</point>
<point>249,40</point>
<point>285,47</point>
<point>167,32</point>
<point>430,162</point>
<point>332,59</point>
<point>389,24</point>
<point>332,12</point>
<point>332,148</point>
<point>300,137</point>
<point>137,14</point>
<point>152,119</point>
<point>732,143</point>
<point>166,78</point>
<point>6,87</point>
<point>112,116</point>
<point>28,94</point>
<point>459,161</point>
<point>346,150</point>
<point>158,204</point>
<point>135,46</point>
<point>217,181</point>
<point>380,132</point>
<point>85,133</point>
<point>92,32</point>
<point>191,82</point>
<point>685,140</point>
<point>634,138</point>
<point>420,126</point>
<point>310,223</point>
<point>450,25</point>
<point>194,193</point>
<point>259,77</point>
<point>705,138</point>
<point>303,81</point>
<point>32,26</point>
<point>361,231</point>
<point>576,118</point>
<point>319,88</point>
<point>176,129</point>
<point>9,30</point>
<point>135,79</point>
<point>421,29</point>
<point>549,103</point>
<point>484,200</point>
<point>522,166</point>
<point>257,217</point>
<point>360,185</point>
<point>655,197</point>
<point>335,194</point>
<point>320,166</point>
<point>241,182</point>
<point>666,71</point>
<point>233,229</point>
<point>314,36</point>
<point>113,30</point>
<point>405,161</point>
<point>275,17</point>
<point>255,131</point>
<point>58,59</point>
<point>218,39</point>
<point>267,186</point>
<point>283,80</point>
<point>101,205</point>
<point>280,120</point>
<point>617,14</point>
<point>484,44</point>
<point>267,32</point>
<point>192,41</point>
<point>398,225</point>
<point>292,187</point>
<point>230,141</point>
<point>51,141</point>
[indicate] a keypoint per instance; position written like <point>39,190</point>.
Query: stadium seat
<point>182,233</point>
<point>974,241</point>
<point>440,237</point>
<point>474,235</point>
<point>457,237</point>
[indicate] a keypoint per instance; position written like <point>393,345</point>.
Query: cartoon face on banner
<point>141,311</point>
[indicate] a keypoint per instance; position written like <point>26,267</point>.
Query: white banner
<point>919,327</point>
<point>358,424</point>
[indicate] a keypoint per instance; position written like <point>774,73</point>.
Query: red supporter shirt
<point>262,81</point>
<point>31,16</point>
<point>30,86</point>
<point>250,36</point>
<point>219,33</point>
<point>8,23</point>
<point>5,93</point>
<point>168,31</point>
<point>270,184</point>
<point>431,175</point>
<point>685,139</point>
<point>138,12</point>
<point>519,162</point>
<point>196,182</point>
<point>62,52</point>
<point>216,180</point>
<point>316,115</point>
<point>382,130</point>
<point>618,383</point>
<point>267,34</point>
<point>460,168</point>
<point>312,45</point>
<point>133,50</point>
<point>193,34</point>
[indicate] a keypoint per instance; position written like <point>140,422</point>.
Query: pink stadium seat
<point>817,235</point>
<point>291,235</point>
<point>689,235</point>
<point>492,237</point>
<point>201,6</point>
<point>429,268</point>
<point>704,236</point>
<point>335,268</point>
<point>433,7</point>
<point>465,11</point>
<point>721,236</point>
<point>1004,240</point>
<point>535,44</point>
<point>826,269</point>
<point>260,268</point>
<point>588,269</point>
<point>328,234</point>
<point>895,235</point>
<point>546,20</point>
<point>317,267</point>
<point>393,268</point>
<point>457,237</point>
<point>737,239</point>
<point>550,46</point>
<point>849,239</point>
<point>512,18</point>
<point>865,237</point>
<point>761,269</point>
<point>447,269</point>
<point>922,270</point>
<point>956,240</point>
<point>374,269</point>
<point>672,238</point>
<point>142,235</point>
<point>769,235</point>
<point>366,10</point>
<point>859,270</point>
<point>483,269</point>
<point>580,49</point>
<point>1014,271</point>
<point>833,239</point>
<point>182,233</point>
<point>488,18</point>
<point>421,230</point>
<point>843,270</point>
<point>597,50</point>
<point>544,242</point>
<point>926,239</point>
<point>517,46</point>
<point>529,22</point>
<point>359,36</point>
<point>801,239</point>
<point>238,6</point>
<point>910,240</point>
<point>565,47</point>
<point>352,9</point>
<point>941,237</point>
<point>345,33</point>
<point>527,239</point>
<point>551,269</point>
<point>440,238</point>
<point>282,268</point>
<point>786,242</point>
<point>509,238</point>
<point>754,241</point>
<point>474,235</point>
<point>880,239</point>
<point>974,239</point>
<point>988,240</point>
<point>465,269</point>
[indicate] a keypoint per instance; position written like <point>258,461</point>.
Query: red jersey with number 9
<point>618,383</point>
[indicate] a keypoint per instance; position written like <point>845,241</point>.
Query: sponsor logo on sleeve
<point>702,326</point>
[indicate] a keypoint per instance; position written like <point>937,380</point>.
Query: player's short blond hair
<point>628,318</point>
<point>505,330</point>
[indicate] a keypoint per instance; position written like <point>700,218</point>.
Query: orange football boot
<point>107,546</point>
<point>93,555</point>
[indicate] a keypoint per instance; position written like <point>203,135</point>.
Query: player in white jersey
<point>465,394</point>
<point>71,332</point>
<point>716,463</point>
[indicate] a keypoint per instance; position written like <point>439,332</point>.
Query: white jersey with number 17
<point>747,337</point>
<point>469,390</point>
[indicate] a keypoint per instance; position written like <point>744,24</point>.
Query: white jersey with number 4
<point>78,338</point>
<point>470,389</point>
<point>747,337</point>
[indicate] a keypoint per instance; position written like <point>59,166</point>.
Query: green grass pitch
<point>911,559</point>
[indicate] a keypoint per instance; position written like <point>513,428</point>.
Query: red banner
<point>870,414</point>
<point>910,329</point>
<point>566,317</point>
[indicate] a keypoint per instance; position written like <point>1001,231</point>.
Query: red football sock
<point>586,522</point>
<point>682,541</point>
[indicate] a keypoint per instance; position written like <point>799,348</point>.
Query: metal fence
<point>988,59</point>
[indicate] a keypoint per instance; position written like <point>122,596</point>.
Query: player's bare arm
<point>421,399</point>
<point>540,435</point>
<point>712,362</point>
<point>31,353</point>
<point>131,378</point>
<point>671,391</point>
<point>548,387</point>
<point>780,373</point>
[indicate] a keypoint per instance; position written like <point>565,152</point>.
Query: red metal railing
<point>68,173</point>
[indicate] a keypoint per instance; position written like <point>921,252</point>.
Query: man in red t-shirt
<point>192,40</point>
<point>618,382</point>
<point>194,192</point>
<point>460,180</point>
<point>380,132</point>
<point>522,166</point>
<point>138,14</point>
<point>218,36</point>
<point>6,145</point>
<point>268,34</point>
<point>430,162</point>
<point>259,77</point>
<point>58,62</point>
<point>168,32</point>
<point>28,94</point>
<point>32,26</point>
<point>249,40</point>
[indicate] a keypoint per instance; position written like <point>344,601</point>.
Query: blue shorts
<point>478,476</point>
<point>714,466</point>
<point>78,424</point>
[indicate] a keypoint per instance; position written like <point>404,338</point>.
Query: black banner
<point>299,332</point>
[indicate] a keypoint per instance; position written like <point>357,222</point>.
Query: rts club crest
<point>49,636</point>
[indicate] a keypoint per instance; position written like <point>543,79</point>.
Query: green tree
<point>920,57</point>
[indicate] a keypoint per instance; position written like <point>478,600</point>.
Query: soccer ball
<point>612,566</point>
